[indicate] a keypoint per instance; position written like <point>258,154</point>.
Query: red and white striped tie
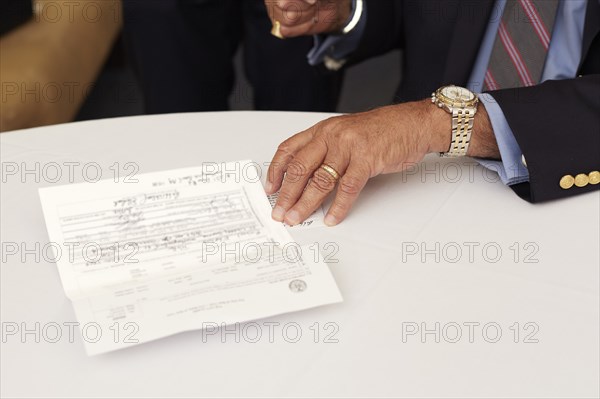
<point>521,45</point>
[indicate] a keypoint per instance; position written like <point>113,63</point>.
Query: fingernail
<point>311,2</point>
<point>278,214</point>
<point>269,187</point>
<point>292,218</point>
<point>330,221</point>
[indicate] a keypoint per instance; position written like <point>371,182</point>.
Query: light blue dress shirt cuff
<point>511,170</point>
<point>338,47</point>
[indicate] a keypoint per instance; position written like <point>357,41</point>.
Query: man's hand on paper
<point>308,17</point>
<point>361,146</point>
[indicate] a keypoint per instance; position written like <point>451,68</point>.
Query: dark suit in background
<point>556,123</point>
<point>183,50</point>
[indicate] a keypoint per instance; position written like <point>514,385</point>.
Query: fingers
<point>293,18</point>
<point>319,187</point>
<point>302,28</point>
<point>285,153</point>
<point>294,5</point>
<point>349,188</point>
<point>299,170</point>
<point>290,13</point>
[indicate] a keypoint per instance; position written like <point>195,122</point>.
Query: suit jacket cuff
<point>556,125</point>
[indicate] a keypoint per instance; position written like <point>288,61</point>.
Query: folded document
<point>175,251</point>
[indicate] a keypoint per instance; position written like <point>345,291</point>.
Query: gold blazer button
<point>567,182</point>
<point>582,180</point>
<point>594,177</point>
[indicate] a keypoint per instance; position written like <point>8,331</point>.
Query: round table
<point>452,285</point>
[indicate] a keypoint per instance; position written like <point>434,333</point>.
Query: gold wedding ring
<point>332,172</point>
<point>276,31</point>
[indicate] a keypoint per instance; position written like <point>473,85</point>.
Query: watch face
<point>458,94</point>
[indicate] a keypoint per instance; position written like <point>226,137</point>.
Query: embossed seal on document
<point>298,286</point>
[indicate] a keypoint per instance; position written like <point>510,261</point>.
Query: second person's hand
<point>292,18</point>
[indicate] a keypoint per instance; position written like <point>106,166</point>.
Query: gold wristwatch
<point>462,104</point>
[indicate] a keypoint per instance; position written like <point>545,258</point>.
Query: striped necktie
<point>521,44</point>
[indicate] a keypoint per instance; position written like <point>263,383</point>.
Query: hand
<point>358,147</point>
<point>309,17</point>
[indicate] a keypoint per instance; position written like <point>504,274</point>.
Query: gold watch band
<point>462,128</point>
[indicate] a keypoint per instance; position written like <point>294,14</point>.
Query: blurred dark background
<point>117,93</point>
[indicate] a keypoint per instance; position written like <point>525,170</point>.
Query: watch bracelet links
<point>462,128</point>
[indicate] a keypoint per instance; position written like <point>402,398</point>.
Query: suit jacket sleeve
<point>557,126</point>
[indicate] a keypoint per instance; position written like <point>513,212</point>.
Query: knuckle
<point>285,148</point>
<point>296,170</point>
<point>345,135</point>
<point>322,183</point>
<point>351,185</point>
<point>285,199</point>
<point>328,125</point>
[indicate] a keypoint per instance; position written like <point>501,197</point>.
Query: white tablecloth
<point>402,261</point>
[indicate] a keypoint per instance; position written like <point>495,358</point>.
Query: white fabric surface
<point>560,293</point>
